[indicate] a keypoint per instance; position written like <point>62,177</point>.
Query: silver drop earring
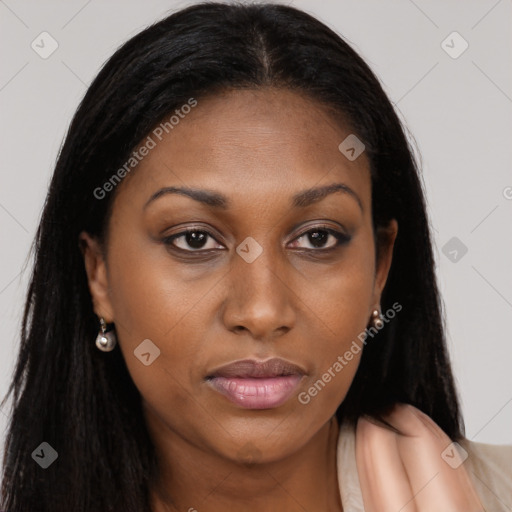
<point>377,321</point>
<point>105,341</point>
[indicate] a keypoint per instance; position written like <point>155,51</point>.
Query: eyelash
<point>341,239</point>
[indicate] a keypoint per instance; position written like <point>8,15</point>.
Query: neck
<point>193,480</point>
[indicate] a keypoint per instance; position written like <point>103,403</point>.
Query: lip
<point>255,384</point>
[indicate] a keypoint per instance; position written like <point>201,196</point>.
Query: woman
<point>233,303</point>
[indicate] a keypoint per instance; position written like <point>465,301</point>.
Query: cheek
<point>157,312</point>
<point>341,296</point>
<point>340,301</point>
<point>336,358</point>
<point>151,295</point>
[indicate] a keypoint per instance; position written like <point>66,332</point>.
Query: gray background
<point>459,110</point>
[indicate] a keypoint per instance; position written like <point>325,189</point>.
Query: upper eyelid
<point>324,227</point>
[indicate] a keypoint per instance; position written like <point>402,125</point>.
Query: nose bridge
<point>257,267</point>
<point>258,298</point>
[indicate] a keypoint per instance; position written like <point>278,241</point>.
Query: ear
<point>386,236</point>
<point>97,276</point>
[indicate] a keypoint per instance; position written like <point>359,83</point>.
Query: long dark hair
<point>83,402</point>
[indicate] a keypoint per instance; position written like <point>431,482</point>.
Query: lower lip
<point>254,393</point>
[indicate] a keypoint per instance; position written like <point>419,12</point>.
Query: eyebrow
<point>216,200</point>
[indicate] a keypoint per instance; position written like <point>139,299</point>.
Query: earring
<point>377,321</point>
<point>106,341</point>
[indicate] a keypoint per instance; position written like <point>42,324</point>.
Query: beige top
<point>489,466</point>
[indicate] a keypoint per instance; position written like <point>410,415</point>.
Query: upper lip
<point>248,368</point>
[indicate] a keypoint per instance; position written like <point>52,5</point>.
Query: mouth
<point>257,385</point>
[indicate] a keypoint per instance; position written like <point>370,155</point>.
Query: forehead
<point>257,141</point>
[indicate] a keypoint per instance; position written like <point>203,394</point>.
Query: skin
<point>296,301</point>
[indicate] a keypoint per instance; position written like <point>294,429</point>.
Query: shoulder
<point>490,468</point>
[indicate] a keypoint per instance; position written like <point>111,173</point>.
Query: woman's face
<point>264,273</point>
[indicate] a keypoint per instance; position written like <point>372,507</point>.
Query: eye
<point>192,240</point>
<point>199,240</point>
<point>323,238</point>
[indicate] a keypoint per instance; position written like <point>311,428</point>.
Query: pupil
<point>318,236</point>
<point>196,239</point>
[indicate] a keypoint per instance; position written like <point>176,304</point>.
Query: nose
<point>260,297</point>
